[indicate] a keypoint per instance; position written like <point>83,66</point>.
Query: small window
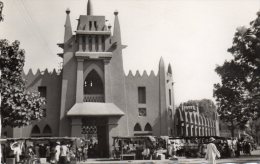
<point>95,25</point>
<point>141,95</point>
<point>43,91</point>
<point>90,25</point>
<point>137,127</point>
<point>47,130</point>
<point>142,112</point>
<point>36,130</point>
<point>170,96</point>
<point>148,127</point>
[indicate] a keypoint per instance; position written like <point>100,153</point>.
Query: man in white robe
<point>212,152</point>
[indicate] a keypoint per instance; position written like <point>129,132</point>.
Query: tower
<point>93,81</point>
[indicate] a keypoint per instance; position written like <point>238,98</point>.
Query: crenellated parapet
<point>32,78</point>
<point>143,75</point>
<point>45,72</point>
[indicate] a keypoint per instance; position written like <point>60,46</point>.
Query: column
<point>107,83</point>
<point>80,81</point>
<point>93,43</point>
<point>76,126</point>
<point>80,43</point>
<point>100,43</point>
<point>112,131</point>
<point>187,130</point>
<point>87,43</point>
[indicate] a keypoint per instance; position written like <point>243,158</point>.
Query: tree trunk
<point>0,123</point>
<point>232,129</point>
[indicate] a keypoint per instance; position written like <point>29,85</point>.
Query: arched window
<point>137,127</point>
<point>47,129</point>
<point>36,130</point>
<point>148,127</point>
<point>93,84</point>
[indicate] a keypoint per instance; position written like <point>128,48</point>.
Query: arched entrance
<point>95,130</point>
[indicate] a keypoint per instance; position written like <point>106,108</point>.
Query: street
<point>243,159</point>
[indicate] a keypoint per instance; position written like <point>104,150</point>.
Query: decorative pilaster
<point>107,86</point>
<point>87,43</point>
<point>80,43</point>
<point>112,124</point>
<point>99,43</point>
<point>93,43</point>
<point>79,91</point>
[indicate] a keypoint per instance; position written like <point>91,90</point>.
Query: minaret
<point>117,31</point>
<point>162,99</point>
<point>89,8</point>
<point>68,30</point>
<point>169,69</point>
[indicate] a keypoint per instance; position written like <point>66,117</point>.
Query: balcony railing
<point>94,98</point>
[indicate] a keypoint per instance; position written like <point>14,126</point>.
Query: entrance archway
<point>95,129</point>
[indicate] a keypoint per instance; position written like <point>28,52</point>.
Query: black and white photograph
<point>130,81</point>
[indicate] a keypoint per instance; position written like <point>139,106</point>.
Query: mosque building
<point>92,96</point>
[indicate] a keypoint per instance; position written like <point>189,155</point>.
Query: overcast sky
<point>192,35</point>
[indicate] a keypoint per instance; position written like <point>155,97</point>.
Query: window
<point>148,127</point>
<point>141,95</point>
<point>93,84</point>
<point>36,130</point>
<point>90,25</point>
<point>142,112</point>
<point>170,97</point>
<point>47,130</point>
<point>43,91</point>
<point>137,127</point>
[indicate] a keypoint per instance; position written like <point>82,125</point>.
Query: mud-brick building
<point>92,96</point>
<point>189,122</point>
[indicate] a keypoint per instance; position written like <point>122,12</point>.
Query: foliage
<point>18,107</point>
<point>206,106</point>
<point>1,10</point>
<point>238,94</point>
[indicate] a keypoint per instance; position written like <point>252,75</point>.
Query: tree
<point>238,94</point>
<point>18,107</point>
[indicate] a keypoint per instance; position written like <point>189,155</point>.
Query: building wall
<point>52,83</point>
<point>151,83</point>
<point>189,122</point>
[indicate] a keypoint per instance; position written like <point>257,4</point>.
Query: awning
<point>95,109</point>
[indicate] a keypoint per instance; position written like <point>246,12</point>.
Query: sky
<point>192,35</point>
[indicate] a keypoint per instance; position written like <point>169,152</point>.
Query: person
<point>63,153</point>
<point>247,148</point>
<point>57,152</point>
<point>48,153</point>
<point>30,154</point>
<point>16,147</point>
<point>174,149</point>
<point>169,149</point>
<point>146,152</point>
<point>212,151</point>
<point>85,152</point>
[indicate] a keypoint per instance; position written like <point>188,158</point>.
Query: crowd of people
<point>187,147</point>
<point>147,148</point>
<point>54,152</point>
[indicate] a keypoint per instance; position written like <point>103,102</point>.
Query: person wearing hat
<point>212,151</point>
<point>57,152</point>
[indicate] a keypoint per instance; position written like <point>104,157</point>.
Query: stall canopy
<point>95,109</point>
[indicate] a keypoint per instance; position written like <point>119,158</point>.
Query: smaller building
<point>189,122</point>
